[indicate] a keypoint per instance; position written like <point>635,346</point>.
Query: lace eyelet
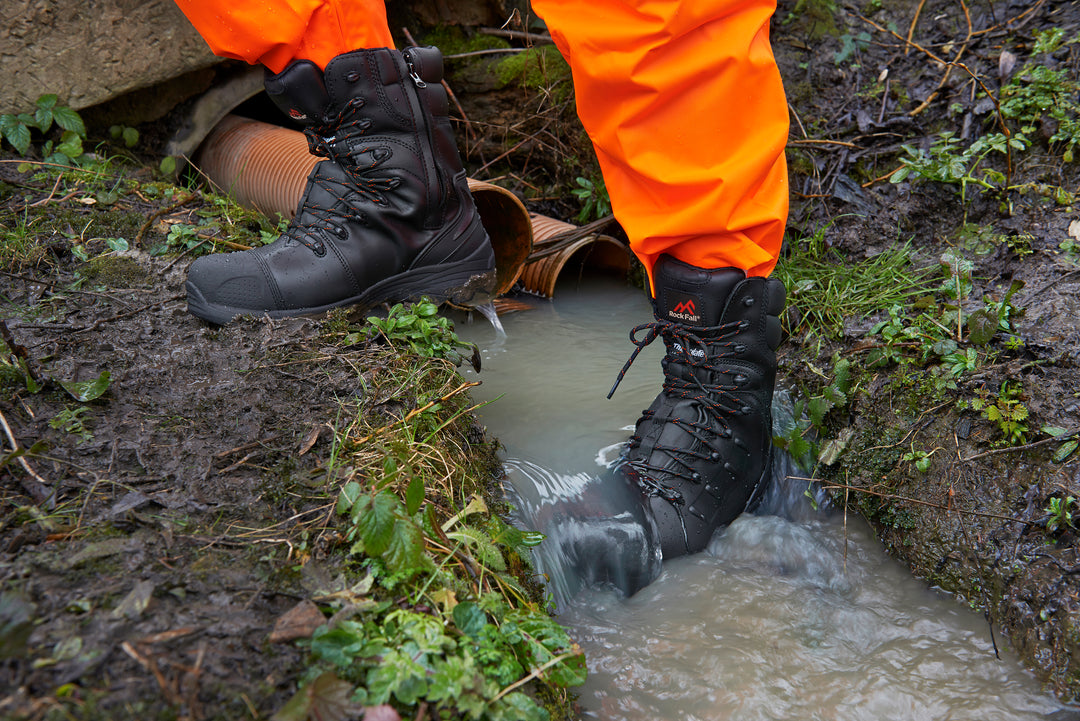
<point>748,302</point>
<point>352,76</point>
<point>714,456</point>
<point>740,348</point>
<point>740,378</point>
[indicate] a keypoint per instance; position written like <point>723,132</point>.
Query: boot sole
<point>468,283</point>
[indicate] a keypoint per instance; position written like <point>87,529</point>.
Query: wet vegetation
<point>298,519</point>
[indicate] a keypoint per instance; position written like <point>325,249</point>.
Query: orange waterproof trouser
<point>682,100</point>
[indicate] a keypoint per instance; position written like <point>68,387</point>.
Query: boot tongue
<point>299,91</point>
<point>694,297</point>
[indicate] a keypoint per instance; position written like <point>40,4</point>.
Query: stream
<point>794,612</point>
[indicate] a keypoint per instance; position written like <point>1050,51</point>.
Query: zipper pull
<point>412,71</point>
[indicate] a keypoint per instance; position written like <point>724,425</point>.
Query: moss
<point>454,40</point>
<point>817,18</point>
<point>115,271</point>
<point>541,68</point>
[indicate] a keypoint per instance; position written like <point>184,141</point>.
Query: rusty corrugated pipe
<point>266,166</point>
<point>603,252</point>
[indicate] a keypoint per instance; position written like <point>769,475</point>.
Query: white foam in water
<point>790,614</point>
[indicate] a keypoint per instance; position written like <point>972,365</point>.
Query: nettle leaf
<point>981,327</point>
<point>43,117</point>
<point>350,492</point>
<point>69,120</point>
<point>405,551</point>
<point>376,524</point>
<point>19,136</point>
<point>414,494</point>
<point>326,698</point>
<point>70,144</point>
<point>85,391</point>
<point>522,708</point>
<point>469,618</point>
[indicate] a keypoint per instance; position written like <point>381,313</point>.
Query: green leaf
<point>414,494</point>
<point>469,618</point>
<point>70,144</point>
<point>47,101</point>
<point>44,119</point>
<point>85,391</point>
<point>376,524</point>
<point>69,120</point>
<point>486,552</point>
<point>326,698</point>
<point>1054,431</point>
<point>1065,451</point>
<point>168,165</point>
<point>350,492</point>
<point>981,327</point>
<point>19,137</point>
<point>405,550</point>
<point>131,137</point>
<point>523,708</point>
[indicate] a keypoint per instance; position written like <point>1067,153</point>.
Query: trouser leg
<point>276,32</point>
<point>686,109</point>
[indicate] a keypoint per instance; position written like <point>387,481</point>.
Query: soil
<point>153,537</point>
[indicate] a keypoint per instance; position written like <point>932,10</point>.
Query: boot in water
<point>386,217</point>
<point>702,452</point>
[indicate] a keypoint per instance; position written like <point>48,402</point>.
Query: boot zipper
<point>427,139</point>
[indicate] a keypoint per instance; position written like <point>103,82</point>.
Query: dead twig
<point>121,316</point>
<point>39,494</point>
<point>914,21</point>
<point>517,35</point>
<point>1026,446</point>
<point>948,71</point>
<point>971,73</point>
<point>159,214</point>
<point>810,141</point>
<point>907,499</point>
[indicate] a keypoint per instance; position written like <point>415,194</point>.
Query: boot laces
<point>327,141</point>
<point>335,141</point>
<point>700,358</point>
<point>307,226</point>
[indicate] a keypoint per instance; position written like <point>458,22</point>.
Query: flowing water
<point>791,613</point>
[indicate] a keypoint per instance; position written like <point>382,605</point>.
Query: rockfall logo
<point>685,311</point>
<point>296,114</point>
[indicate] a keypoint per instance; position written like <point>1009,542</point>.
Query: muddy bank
<point>941,429</point>
<point>158,530</point>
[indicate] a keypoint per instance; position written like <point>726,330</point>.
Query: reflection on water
<point>790,613</point>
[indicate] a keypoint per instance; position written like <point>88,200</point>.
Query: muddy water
<point>790,614</point>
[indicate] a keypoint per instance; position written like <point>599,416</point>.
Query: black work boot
<point>387,217</point>
<point>703,450</point>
